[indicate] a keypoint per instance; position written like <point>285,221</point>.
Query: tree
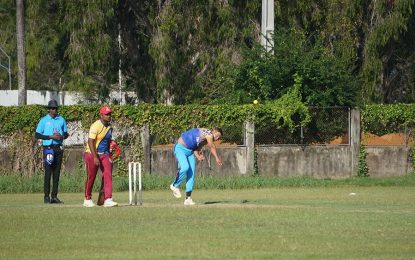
<point>46,41</point>
<point>136,28</point>
<point>90,46</point>
<point>183,51</point>
<point>22,98</point>
<point>193,44</point>
<point>8,40</point>
<point>388,56</point>
<point>326,80</point>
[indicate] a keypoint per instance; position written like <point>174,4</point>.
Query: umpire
<point>52,129</point>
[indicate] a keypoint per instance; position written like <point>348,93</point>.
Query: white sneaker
<point>176,191</point>
<point>110,203</point>
<point>89,203</point>
<point>189,201</point>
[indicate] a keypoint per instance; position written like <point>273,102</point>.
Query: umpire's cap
<point>53,104</point>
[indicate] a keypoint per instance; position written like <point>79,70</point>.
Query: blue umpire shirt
<point>48,125</point>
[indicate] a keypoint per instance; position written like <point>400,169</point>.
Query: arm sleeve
<point>93,132</point>
<point>40,136</point>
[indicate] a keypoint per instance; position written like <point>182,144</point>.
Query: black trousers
<point>53,171</point>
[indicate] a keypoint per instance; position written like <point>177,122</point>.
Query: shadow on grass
<point>223,202</point>
<point>216,202</point>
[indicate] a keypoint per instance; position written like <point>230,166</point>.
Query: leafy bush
<point>165,123</point>
<point>383,119</point>
<point>326,80</point>
<point>363,170</point>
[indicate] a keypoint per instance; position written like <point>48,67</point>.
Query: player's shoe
<point>189,202</point>
<point>110,203</point>
<point>176,191</point>
<point>89,203</point>
<point>55,200</point>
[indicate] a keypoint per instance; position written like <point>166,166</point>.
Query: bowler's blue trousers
<point>187,166</point>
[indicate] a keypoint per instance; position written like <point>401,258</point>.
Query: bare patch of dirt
<point>372,139</point>
<point>340,140</point>
<point>388,139</point>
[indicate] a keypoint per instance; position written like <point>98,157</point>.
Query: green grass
<point>316,222</point>
<point>75,182</point>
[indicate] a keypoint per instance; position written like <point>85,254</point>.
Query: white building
<point>10,97</point>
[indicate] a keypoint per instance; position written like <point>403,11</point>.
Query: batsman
<point>187,150</point>
<point>97,156</point>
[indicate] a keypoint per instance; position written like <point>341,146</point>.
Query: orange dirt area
<point>163,145</point>
<point>372,139</point>
<point>340,140</point>
<point>388,139</point>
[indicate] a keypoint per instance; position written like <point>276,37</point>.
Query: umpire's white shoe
<point>176,191</point>
<point>89,203</point>
<point>189,201</point>
<point>110,203</point>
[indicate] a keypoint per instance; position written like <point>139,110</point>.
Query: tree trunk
<point>21,58</point>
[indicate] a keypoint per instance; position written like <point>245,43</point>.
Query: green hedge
<point>383,119</point>
<point>164,121</point>
<point>18,123</point>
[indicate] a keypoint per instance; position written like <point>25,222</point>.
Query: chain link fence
<point>328,126</point>
<point>232,135</point>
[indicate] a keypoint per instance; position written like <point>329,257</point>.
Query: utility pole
<point>21,58</point>
<point>267,24</point>
<point>8,68</point>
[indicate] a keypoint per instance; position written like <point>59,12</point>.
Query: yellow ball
<point>255,102</point>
